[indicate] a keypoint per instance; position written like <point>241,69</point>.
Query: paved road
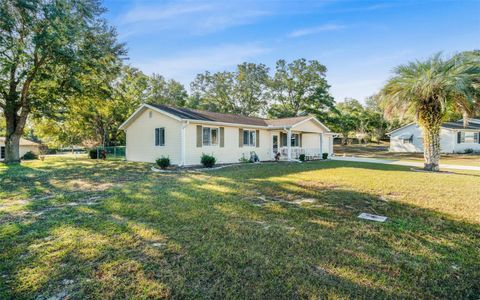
<point>403,163</point>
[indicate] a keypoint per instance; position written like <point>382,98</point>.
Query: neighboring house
<point>25,146</point>
<point>183,134</point>
<point>454,137</point>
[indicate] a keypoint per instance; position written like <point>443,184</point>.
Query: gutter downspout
<point>183,142</point>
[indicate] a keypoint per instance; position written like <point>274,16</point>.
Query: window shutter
<point>257,134</point>
<point>199,136</point>
<point>222,137</point>
<point>162,136</point>
<point>240,137</point>
<point>300,137</point>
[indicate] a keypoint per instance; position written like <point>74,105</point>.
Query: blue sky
<point>360,42</point>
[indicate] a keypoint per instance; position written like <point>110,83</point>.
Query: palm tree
<point>428,89</point>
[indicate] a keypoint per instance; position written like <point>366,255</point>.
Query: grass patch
<point>111,229</point>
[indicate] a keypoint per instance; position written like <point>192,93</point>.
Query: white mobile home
<point>454,137</point>
<point>183,135</point>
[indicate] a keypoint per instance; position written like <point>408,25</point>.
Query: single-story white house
<point>25,146</point>
<point>183,135</point>
<point>454,137</point>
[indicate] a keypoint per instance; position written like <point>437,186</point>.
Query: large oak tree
<point>300,88</point>
<point>45,46</point>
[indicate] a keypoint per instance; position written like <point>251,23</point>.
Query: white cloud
<point>315,30</point>
<point>146,13</point>
<point>185,66</point>
<point>194,17</point>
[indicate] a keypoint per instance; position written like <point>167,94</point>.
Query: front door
<point>275,144</point>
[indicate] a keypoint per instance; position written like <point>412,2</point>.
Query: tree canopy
<point>244,91</point>
<point>300,87</point>
<point>46,46</point>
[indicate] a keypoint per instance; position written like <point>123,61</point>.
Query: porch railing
<point>310,153</point>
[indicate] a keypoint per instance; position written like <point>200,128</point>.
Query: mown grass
<point>107,230</point>
<point>381,151</point>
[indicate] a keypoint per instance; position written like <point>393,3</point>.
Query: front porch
<point>310,153</point>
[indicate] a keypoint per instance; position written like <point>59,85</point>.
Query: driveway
<point>403,163</point>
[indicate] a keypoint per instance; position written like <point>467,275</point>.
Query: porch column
<point>289,144</point>
<point>321,145</point>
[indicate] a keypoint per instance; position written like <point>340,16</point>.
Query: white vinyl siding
<point>140,135</point>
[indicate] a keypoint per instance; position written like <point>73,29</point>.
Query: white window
<point>210,136</point>
<point>159,136</point>
<point>295,141</point>
<point>249,138</point>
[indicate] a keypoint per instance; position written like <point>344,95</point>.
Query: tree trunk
<point>431,148</point>
<point>15,124</point>
<point>12,148</point>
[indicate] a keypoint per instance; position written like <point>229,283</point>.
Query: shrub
<point>29,156</point>
<point>325,155</point>
<point>468,151</point>
<point>163,162</point>
<point>301,157</point>
<point>208,161</point>
<point>93,153</point>
<point>244,160</point>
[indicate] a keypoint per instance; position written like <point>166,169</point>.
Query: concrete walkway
<point>402,163</point>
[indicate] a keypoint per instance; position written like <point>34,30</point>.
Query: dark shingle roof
<point>194,114</point>
<point>201,115</point>
<point>459,125</point>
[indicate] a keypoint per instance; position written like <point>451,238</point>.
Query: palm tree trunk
<point>431,148</point>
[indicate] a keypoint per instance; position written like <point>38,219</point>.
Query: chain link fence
<point>110,153</point>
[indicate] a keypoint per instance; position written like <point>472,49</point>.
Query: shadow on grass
<point>235,233</point>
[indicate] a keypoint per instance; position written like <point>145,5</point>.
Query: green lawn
<point>381,151</point>
<point>111,229</point>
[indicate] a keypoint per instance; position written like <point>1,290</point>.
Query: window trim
<point>155,137</point>
<point>217,129</point>
<point>249,132</point>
